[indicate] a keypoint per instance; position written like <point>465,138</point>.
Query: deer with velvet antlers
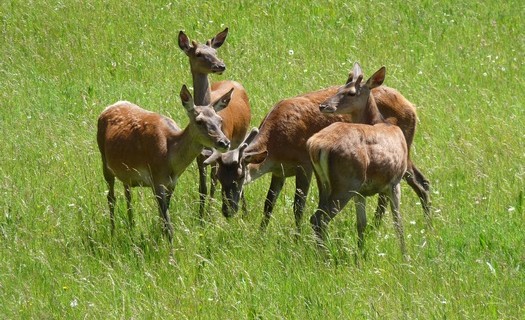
<point>280,149</point>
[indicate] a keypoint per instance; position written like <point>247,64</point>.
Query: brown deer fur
<point>236,118</point>
<point>280,149</point>
<point>143,148</point>
<point>358,159</point>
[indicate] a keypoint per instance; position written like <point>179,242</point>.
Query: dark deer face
<point>231,173</point>
<point>203,57</point>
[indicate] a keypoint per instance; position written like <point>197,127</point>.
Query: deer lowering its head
<point>358,159</point>
<point>143,148</point>
<point>280,149</point>
<point>236,118</point>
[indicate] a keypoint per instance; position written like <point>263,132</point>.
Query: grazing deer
<point>143,148</point>
<point>231,160</point>
<point>236,118</point>
<point>358,159</point>
<point>280,149</point>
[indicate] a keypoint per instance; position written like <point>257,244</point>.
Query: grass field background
<point>63,62</point>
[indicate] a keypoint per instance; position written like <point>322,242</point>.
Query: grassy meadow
<point>63,62</point>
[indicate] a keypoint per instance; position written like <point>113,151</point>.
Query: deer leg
<point>213,179</point>
<point>276,185</point>
<point>421,178</point>
<point>110,181</point>
<point>328,208</point>
<point>127,192</point>
<point>161,194</point>
<point>302,185</point>
<point>360,209</point>
<point>382,202</point>
<point>319,220</point>
<point>203,190</point>
<point>420,186</point>
<point>395,199</point>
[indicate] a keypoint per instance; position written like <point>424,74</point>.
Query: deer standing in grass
<point>236,118</point>
<point>358,159</point>
<point>143,148</point>
<point>280,149</point>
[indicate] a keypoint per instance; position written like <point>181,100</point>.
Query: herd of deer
<point>355,138</point>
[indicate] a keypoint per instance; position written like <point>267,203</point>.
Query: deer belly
<point>134,177</point>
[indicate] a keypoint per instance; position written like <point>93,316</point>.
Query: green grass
<point>62,62</point>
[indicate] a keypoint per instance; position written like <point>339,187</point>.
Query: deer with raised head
<point>143,148</point>
<point>280,149</point>
<point>358,159</point>
<point>236,118</point>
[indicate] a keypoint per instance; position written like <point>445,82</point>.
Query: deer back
<point>236,118</point>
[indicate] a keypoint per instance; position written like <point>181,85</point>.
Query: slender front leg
<point>203,190</point>
<point>276,185</point>
<point>302,186</point>
<point>110,181</point>
<point>161,196</point>
<point>213,179</point>
<point>127,192</point>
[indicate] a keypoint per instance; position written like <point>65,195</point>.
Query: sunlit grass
<point>61,63</point>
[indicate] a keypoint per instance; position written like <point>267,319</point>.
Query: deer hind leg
<point>302,185</point>
<point>329,206</point>
<point>110,181</point>
<point>162,196</point>
<point>382,202</point>
<point>203,189</point>
<point>420,185</point>
<point>127,191</point>
<point>276,185</point>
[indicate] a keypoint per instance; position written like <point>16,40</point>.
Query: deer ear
<point>356,71</point>
<point>219,39</point>
<point>223,101</point>
<point>377,78</point>
<point>186,98</point>
<point>184,42</point>
<point>350,77</point>
<point>255,158</point>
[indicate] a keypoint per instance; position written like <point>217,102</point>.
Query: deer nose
<point>223,145</point>
<point>325,108</point>
<point>219,67</point>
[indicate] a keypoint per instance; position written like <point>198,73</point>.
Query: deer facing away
<point>143,148</point>
<point>358,159</point>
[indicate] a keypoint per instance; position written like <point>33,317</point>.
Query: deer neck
<point>370,114</point>
<point>183,149</point>
<point>202,88</point>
